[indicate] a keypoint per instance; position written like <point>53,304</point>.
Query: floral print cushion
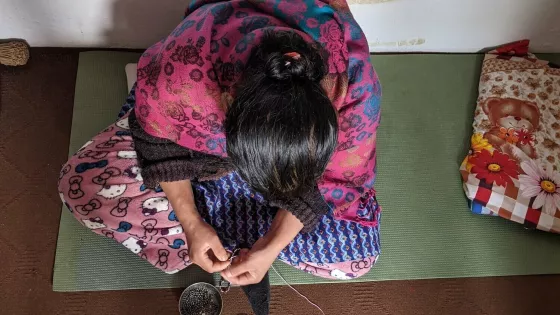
<point>512,169</point>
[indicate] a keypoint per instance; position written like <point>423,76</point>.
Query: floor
<point>35,116</point>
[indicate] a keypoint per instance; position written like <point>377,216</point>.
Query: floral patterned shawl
<point>185,80</point>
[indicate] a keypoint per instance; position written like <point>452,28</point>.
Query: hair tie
<point>292,55</point>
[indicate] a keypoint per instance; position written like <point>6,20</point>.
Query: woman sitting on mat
<point>252,126</point>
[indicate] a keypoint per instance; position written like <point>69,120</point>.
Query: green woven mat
<point>427,229</point>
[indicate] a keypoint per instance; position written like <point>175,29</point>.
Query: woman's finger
<point>237,260</point>
<point>204,262</point>
<point>210,265</point>
<point>237,269</point>
<point>243,279</point>
<point>214,264</point>
<point>218,249</point>
<point>218,266</point>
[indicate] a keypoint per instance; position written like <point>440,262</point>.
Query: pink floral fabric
<point>331,34</point>
<point>185,83</point>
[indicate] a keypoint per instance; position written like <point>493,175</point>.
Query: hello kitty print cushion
<point>512,169</point>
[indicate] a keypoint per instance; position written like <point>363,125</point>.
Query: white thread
<point>303,296</point>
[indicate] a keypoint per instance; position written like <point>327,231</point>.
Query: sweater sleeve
<point>308,208</point>
<point>162,160</point>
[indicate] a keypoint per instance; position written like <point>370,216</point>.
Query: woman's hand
<point>205,248</point>
<point>252,265</point>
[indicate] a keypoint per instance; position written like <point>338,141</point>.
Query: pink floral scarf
<point>185,81</point>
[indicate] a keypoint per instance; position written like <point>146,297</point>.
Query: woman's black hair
<point>281,128</point>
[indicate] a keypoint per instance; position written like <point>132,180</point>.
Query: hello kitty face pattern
<point>134,172</point>
<point>112,191</point>
<point>127,154</point>
<point>154,205</point>
<point>123,123</point>
<point>172,231</point>
<point>134,245</point>
<point>338,274</point>
<point>182,81</point>
<point>94,223</point>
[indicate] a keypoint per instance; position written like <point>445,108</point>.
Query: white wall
<point>459,25</point>
<point>89,23</point>
<point>390,25</point>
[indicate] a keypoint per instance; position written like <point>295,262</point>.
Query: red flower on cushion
<point>495,168</point>
<point>525,137</point>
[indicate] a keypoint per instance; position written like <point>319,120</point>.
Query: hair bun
<point>286,56</point>
<point>287,66</point>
